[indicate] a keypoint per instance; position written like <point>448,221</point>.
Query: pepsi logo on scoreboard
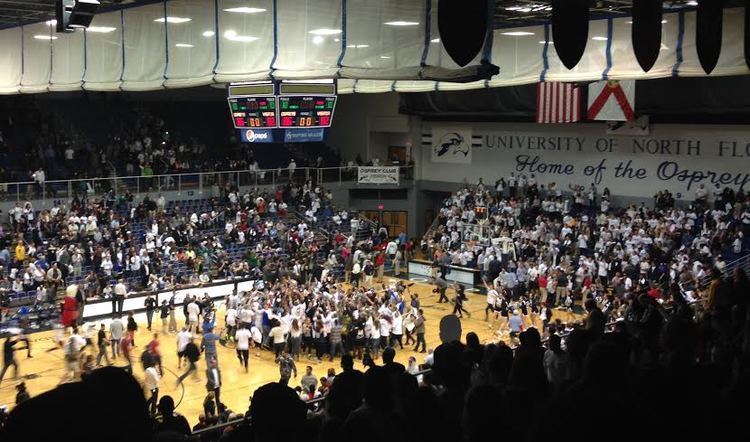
<point>256,136</point>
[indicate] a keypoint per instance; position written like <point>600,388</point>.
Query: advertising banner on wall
<point>377,175</point>
<point>679,158</point>
<point>256,135</point>
<point>304,135</point>
<point>451,144</point>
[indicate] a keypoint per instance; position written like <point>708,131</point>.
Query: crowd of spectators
<point>151,244</point>
<point>531,241</point>
<point>681,375</point>
<point>138,142</point>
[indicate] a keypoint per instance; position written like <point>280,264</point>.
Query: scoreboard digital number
<point>253,112</point>
<point>302,111</point>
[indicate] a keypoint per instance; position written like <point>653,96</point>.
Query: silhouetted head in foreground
<point>108,404</point>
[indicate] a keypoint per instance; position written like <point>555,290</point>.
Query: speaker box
<point>463,27</point>
<point>73,14</point>
<point>647,16</point>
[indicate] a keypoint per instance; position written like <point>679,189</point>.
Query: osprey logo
<point>451,144</point>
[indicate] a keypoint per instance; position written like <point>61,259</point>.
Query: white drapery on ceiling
<point>371,46</point>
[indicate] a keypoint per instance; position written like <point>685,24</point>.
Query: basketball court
<point>45,369</point>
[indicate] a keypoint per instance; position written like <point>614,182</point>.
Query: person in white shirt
<point>120,293</point>
<point>72,352</point>
<point>151,381</point>
<point>231,320</point>
<point>492,296</point>
<point>374,327</point>
<point>183,338</point>
<point>243,336</point>
<point>397,262</point>
<point>193,311</point>
<point>385,331</point>
<point>397,330</point>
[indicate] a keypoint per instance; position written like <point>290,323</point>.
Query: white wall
<point>674,157</point>
<point>357,115</point>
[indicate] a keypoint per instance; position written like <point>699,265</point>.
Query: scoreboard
<point>249,112</point>
<point>306,111</point>
<point>283,104</point>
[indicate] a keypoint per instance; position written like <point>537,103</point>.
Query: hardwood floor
<point>45,370</point>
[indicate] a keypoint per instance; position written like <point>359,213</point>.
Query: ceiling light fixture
<point>175,20</point>
<point>401,23</point>
<point>232,35</point>
<point>630,22</point>
<point>599,38</point>
<point>45,37</point>
<point>184,45</point>
<point>518,9</point>
<point>325,31</point>
<point>517,33</point>
<point>245,10</point>
<point>101,29</point>
<point>208,33</point>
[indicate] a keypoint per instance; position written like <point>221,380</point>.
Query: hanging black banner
<point>647,16</point>
<point>570,29</point>
<point>463,27</point>
<point>709,19</point>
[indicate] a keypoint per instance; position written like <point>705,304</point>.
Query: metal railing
<point>193,183</point>
<point>742,263</point>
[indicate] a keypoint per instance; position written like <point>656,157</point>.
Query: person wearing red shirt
<point>654,292</point>
<point>380,264</point>
<point>153,350</point>
<point>543,288</point>
<point>126,344</point>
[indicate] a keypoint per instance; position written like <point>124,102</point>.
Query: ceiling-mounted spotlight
<point>72,14</point>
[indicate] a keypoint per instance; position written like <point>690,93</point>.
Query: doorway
<point>396,221</point>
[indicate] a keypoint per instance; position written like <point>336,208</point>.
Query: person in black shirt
<point>22,394</point>
<point>169,422</point>
<point>150,304</point>
<point>131,327</point>
<point>441,285</point>
<point>164,315</point>
<point>8,359</point>
<point>458,308</point>
<point>102,343</point>
<point>192,353</point>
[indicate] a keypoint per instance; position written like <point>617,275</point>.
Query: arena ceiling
<point>508,13</point>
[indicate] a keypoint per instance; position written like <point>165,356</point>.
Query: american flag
<point>558,103</point>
